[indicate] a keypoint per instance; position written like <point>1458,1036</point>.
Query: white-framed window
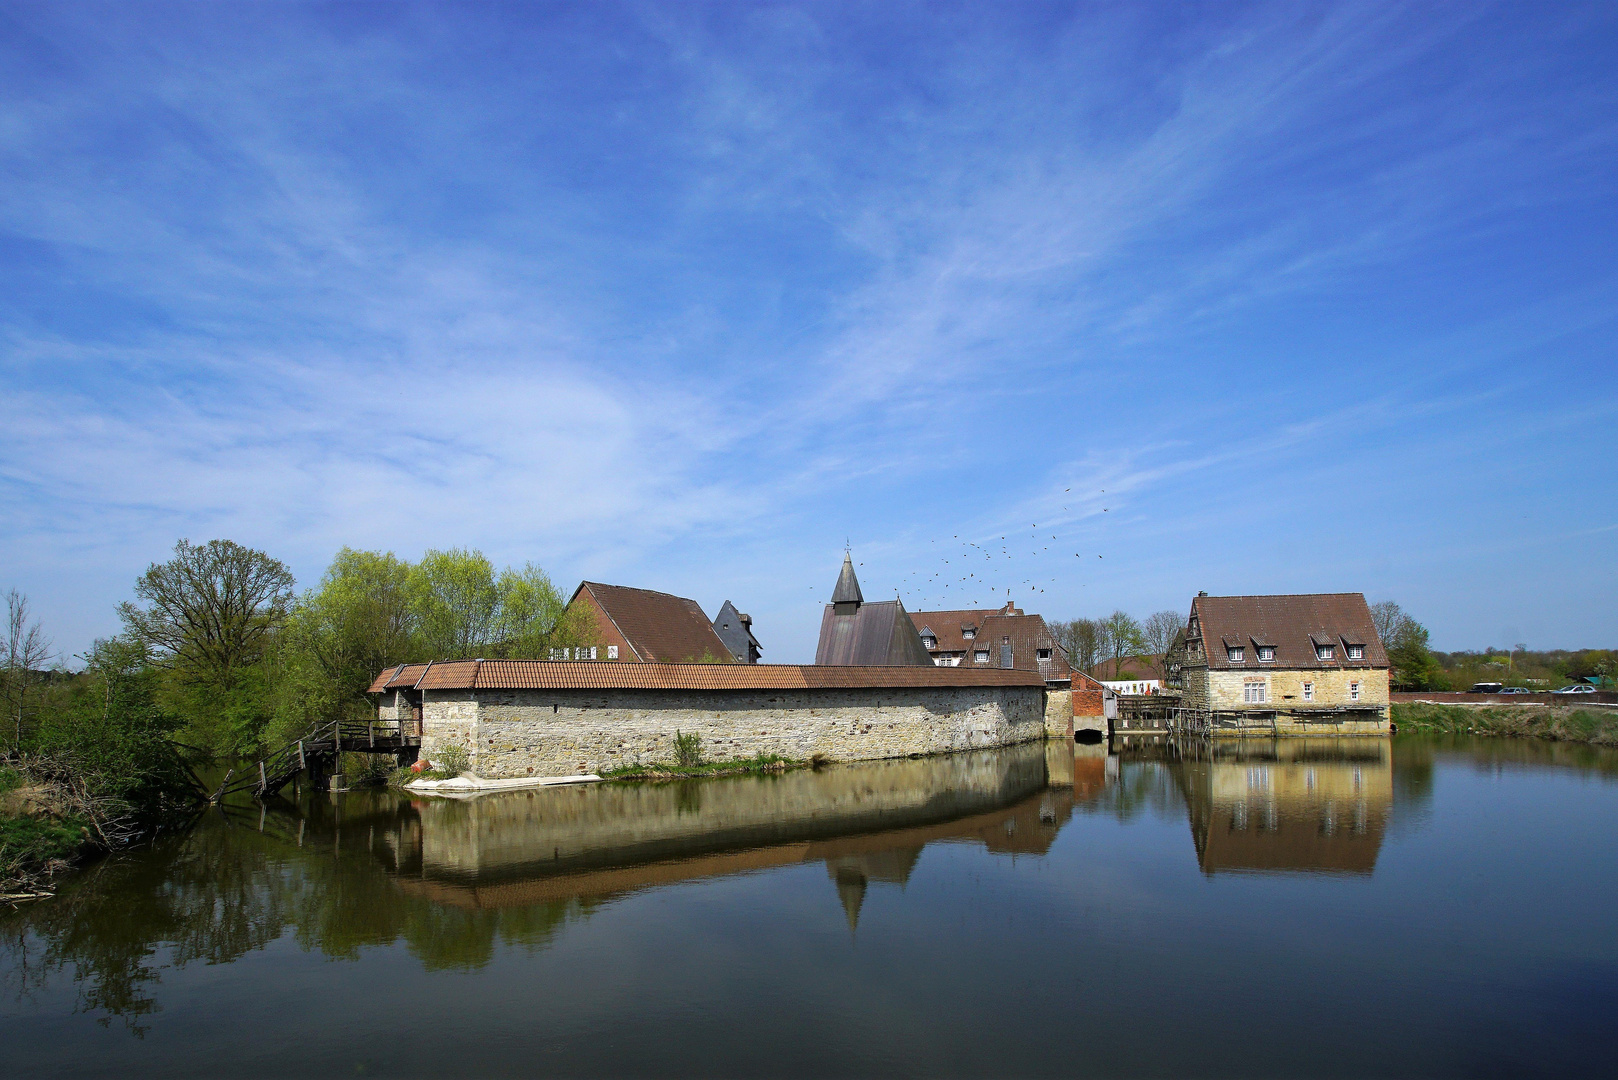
<point>1238,654</point>
<point>969,633</point>
<point>558,654</point>
<point>584,652</point>
<point>1356,652</point>
<point>1353,691</point>
<point>930,642</point>
<point>1255,692</point>
<point>981,656</point>
<point>1193,626</point>
<point>1044,654</point>
<point>1308,691</point>
<point>1325,652</point>
<point>1266,654</point>
<point>612,652</point>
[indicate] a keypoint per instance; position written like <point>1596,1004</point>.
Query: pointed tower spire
<point>848,588</point>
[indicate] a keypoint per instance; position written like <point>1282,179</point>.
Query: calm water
<point>1341,908</point>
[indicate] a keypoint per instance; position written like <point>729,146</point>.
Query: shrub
<point>687,749</point>
<point>453,760</point>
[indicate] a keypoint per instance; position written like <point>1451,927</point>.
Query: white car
<point>1581,688</point>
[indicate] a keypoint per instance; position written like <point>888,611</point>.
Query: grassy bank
<point>764,763</point>
<point>38,836</point>
<point>1598,726</point>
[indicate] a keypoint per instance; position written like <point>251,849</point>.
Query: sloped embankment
<point>1598,726</point>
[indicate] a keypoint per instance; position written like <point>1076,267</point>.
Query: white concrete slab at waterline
<point>471,784</point>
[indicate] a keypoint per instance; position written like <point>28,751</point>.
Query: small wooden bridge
<point>316,754</point>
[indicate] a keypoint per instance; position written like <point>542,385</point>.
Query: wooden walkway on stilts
<point>316,754</point>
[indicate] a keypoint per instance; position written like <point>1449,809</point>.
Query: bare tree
<point>27,651</point>
<point>1082,640</point>
<point>209,610</point>
<point>1159,630</point>
<point>1388,618</point>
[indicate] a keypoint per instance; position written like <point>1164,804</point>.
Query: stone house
<point>1286,665</point>
<point>643,626</point>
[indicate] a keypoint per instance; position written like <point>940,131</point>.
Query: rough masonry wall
<point>513,733</point>
<point>1058,714</point>
<point>1285,688</point>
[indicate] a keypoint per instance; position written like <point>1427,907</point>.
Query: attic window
<point>1193,626</point>
<point>981,656</point>
<point>1237,653</point>
<point>1044,654</point>
<point>930,642</point>
<point>969,632</point>
<point>612,652</point>
<point>1325,652</point>
<point>1356,652</point>
<point>1266,654</point>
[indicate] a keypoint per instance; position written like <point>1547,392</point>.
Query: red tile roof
<point>660,627</point>
<point>585,675</point>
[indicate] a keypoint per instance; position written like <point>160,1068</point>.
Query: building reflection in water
<point>1273,806</point>
<point>865,823</point>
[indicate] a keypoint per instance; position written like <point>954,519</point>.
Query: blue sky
<point>1244,298</point>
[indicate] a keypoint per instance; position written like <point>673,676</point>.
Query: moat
<point>1353,907</point>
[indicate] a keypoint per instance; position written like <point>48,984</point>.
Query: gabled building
<point>1004,637</point>
<point>642,626</point>
<point>1286,665</point>
<point>736,631</point>
<point>860,634</point>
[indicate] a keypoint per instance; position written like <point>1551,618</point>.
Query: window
<point>1325,652</point>
<point>981,656</point>
<point>1193,627</point>
<point>612,652</point>
<point>1308,691</point>
<point>1353,691</point>
<point>930,642</point>
<point>1254,692</point>
<point>558,654</point>
<point>1356,652</point>
<point>1044,654</point>
<point>969,632</point>
<point>1238,654</point>
<point>1266,654</point>
<point>585,652</point>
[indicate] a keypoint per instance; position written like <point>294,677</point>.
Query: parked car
<point>1515,690</point>
<point>1576,688</point>
<point>1486,688</point>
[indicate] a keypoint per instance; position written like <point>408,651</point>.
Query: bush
<point>687,749</point>
<point>453,760</point>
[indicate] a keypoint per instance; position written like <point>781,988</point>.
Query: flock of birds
<point>972,572</point>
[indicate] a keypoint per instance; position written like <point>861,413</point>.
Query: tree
<point>26,652</point>
<point>456,603</point>
<point>1159,630</point>
<point>1387,617</point>
<point>1082,640</point>
<point>209,611</point>
<point>1121,636</point>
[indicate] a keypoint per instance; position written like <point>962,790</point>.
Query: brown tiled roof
<point>400,676</point>
<point>660,627</point>
<point>1028,634</point>
<point>1290,623</point>
<point>587,675</point>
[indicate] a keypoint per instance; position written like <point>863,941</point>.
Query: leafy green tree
<point>1121,636</point>
<point>1412,664</point>
<point>456,602</point>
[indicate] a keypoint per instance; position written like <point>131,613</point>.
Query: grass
<point>1599,727</point>
<point>763,763</point>
<point>32,844</point>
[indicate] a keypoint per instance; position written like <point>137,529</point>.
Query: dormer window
<point>930,642</point>
<point>1266,654</point>
<point>1237,653</point>
<point>1325,652</point>
<point>1356,652</point>
<point>981,656</point>
<point>969,632</point>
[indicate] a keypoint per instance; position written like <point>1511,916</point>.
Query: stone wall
<point>1285,687</point>
<point>1058,714</point>
<point>514,733</point>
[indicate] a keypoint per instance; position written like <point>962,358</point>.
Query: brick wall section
<point>515,733</point>
<point>606,633</point>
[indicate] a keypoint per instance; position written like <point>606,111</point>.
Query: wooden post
<point>263,784</point>
<point>301,763</point>
<point>371,725</point>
